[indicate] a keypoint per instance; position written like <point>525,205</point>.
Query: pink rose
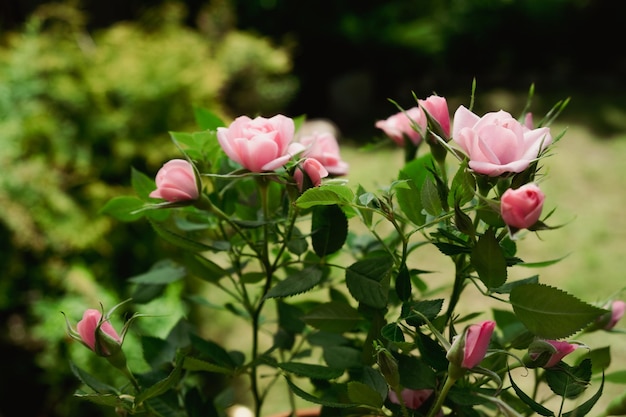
<point>401,125</point>
<point>413,398</point>
<point>497,143</point>
<point>437,107</point>
<point>176,181</point>
<point>323,146</point>
<point>469,349</point>
<point>521,207</point>
<point>258,144</point>
<point>92,328</point>
<point>314,172</point>
<point>548,353</point>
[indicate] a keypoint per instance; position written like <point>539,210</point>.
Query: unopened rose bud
<point>470,348</point>
<point>176,181</point>
<point>547,353</point>
<point>521,208</point>
<point>309,174</point>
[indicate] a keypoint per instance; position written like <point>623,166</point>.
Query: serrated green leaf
<point>409,199</point>
<point>311,370</point>
<point>551,313</point>
<point>488,259</point>
<point>108,400</point>
<point>368,280</point>
<point>325,195</point>
<point>335,317</point>
<point>296,283</point>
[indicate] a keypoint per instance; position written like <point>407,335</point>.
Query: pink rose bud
<point>258,144</point>
<point>497,143</point>
<point>97,334</point>
<point>323,146</point>
<point>437,107</point>
<point>609,320</point>
<point>413,398</point>
<point>309,174</point>
<point>521,207</point>
<point>176,181</point>
<point>403,124</point>
<point>548,353</point>
<point>469,348</point>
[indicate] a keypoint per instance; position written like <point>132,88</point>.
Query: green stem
<point>441,397</point>
<point>459,284</point>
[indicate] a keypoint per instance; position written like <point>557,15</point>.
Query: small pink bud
<point>521,207</point>
<point>413,398</point>
<point>548,353</point>
<point>437,107</point>
<point>403,124</point>
<point>97,334</point>
<point>309,174</point>
<point>470,348</point>
<point>176,181</point>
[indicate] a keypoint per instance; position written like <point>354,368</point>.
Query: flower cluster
<point>269,218</point>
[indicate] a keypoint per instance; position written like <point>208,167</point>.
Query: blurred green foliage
<point>77,111</point>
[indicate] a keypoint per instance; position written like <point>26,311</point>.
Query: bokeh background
<point>89,89</point>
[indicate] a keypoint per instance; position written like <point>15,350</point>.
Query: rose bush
<point>355,324</point>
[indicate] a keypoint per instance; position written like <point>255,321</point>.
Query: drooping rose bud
<point>521,208</point>
<point>258,144</point>
<point>409,124</point>
<point>609,320</point>
<point>309,174</point>
<point>176,181</point>
<point>547,353</point>
<point>98,334</point>
<point>469,348</point>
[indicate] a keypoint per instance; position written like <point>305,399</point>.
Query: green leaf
<point>124,208</point>
<point>212,351</point>
<point>108,400</point>
<point>162,386</point>
<point>585,408</point>
<point>551,313</point>
<point>311,370</point>
<point>403,283</point>
<point>184,242</point>
<point>335,317</point>
<point>316,400</point>
<point>569,381</point>
<point>296,283</point>
<point>207,120</point>
<point>195,364</point>
<point>488,259</point>
<point>415,373</point>
<point>363,394</point>
<point>430,198</point>
<point>157,352</point>
<point>204,268</point>
<point>535,406</point>
<point>92,382</point>
<point>160,275</point>
<point>329,229</point>
<point>368,280</point>
<point>141,183</point>
<point>392,332</point>
<point>409,199</point>
<point>462,187</point>
<point>427,308</point>
<point>325,195</point>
